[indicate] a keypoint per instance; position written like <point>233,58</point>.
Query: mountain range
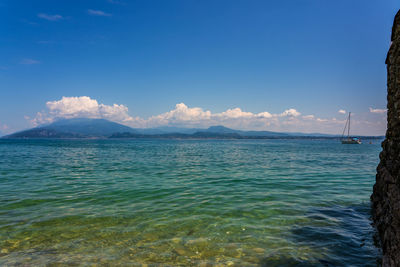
<point>101,128</point>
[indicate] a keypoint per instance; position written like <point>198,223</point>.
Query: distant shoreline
<point>193,138</point>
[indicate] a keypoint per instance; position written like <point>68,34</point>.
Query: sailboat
<point>348,139</point>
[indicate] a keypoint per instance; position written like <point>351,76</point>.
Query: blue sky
<point>315,57</point>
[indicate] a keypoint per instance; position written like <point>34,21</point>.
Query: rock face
<point>386,196</point>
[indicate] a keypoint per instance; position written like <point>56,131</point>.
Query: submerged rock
<point>386,195</point>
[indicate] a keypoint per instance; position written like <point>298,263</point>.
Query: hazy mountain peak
<point>76,127</point>
<point>220,129</point>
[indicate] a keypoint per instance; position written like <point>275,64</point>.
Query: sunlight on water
<point>174,202</point>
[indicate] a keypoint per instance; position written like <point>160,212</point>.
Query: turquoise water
<point>175,202</point>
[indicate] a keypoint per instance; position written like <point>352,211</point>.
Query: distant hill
<point>224,130</point>
<point>213,132</point>
<point>74,128</point>
<point>93,127</point>
<point>196,135</point>
<point>167,130</point>
<point>101,128</point>
<point>220,129</point>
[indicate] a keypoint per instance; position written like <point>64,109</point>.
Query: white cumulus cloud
<point>308,117</point>
<point>234,114</point>
<point>181,115</point>
<point>264,114</point>
<point>290,113</point>
<point>185,116</point>
<point>377,110</point>
<point>72,107</point>
<point>82,107</point>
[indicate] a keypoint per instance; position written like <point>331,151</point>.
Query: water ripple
<point>182,203</point>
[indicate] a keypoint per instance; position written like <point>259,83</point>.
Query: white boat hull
<point>357,142</point>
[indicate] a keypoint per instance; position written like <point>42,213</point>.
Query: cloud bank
<point>289,120</point>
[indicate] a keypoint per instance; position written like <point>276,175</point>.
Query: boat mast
<point>345,128</point>
<point>348,129</point>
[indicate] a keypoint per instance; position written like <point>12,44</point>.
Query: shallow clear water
<point>174,202</point>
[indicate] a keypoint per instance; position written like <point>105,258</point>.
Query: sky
<point>287,65</point>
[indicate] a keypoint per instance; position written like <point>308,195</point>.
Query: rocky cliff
<point>386,195</point>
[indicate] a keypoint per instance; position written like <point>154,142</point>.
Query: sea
<point>149,202</point>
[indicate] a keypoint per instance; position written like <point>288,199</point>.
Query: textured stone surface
<point>386,196</point>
